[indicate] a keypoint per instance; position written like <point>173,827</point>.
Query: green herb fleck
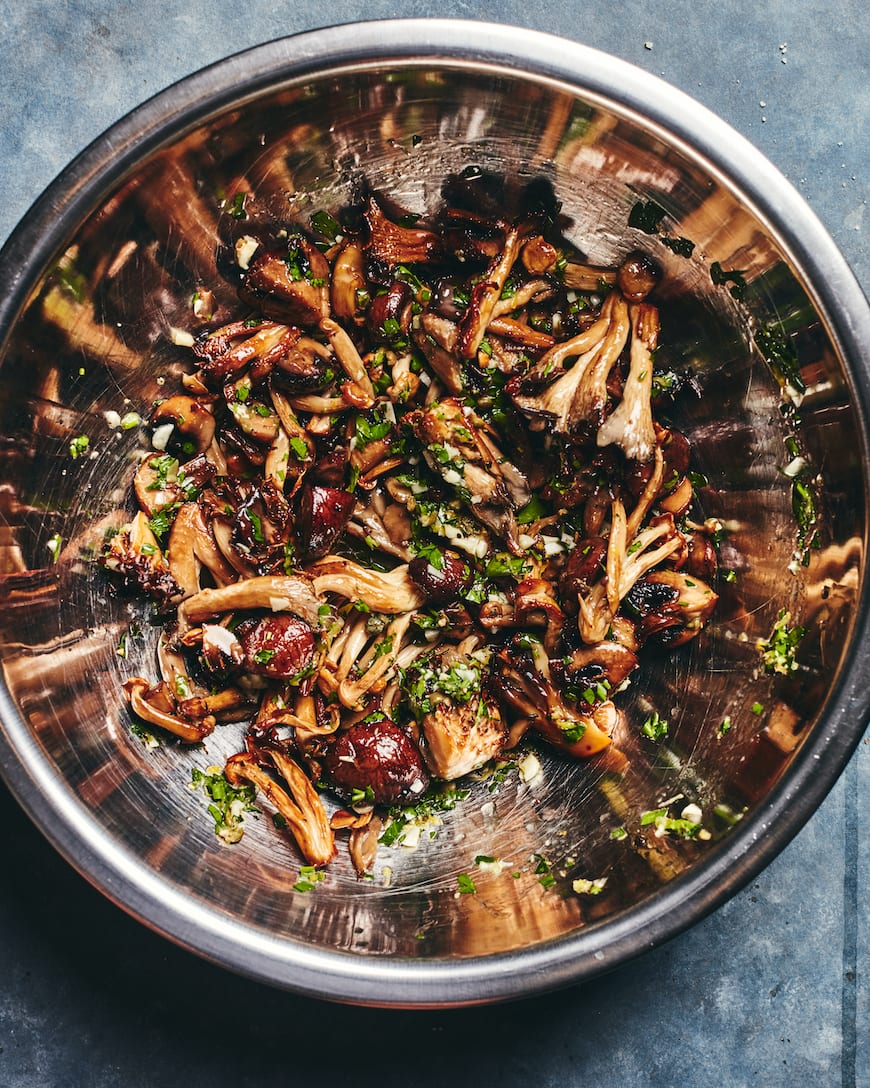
<point>78,446</point>
<point>326,225</point>
<point>55,543</point>
<point>778,652</point>
<point>228,803</point>
<point>299,448</point>
<point>237,206</point>
<point>309,878</point>
<point>655,727</point>
<point>780,355</point>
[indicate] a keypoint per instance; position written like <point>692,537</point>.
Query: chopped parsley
<point>78,446</point>
<point>572,730</point>
<point>299,448</point>
<point>655,727</point>
<point>803,506</point>
<point>465,884</point>
<point>228,803</point>
<point>370,431</point>
<point>309,878</point>
<point>362,796</point>
<point>778,652</point>
<point>426,683</point>
<point>779,354</point>
<point>54,545</point>
<point>542,871</point>
<point>436,800</point>
<point>326,225</point>
<point>659,819</point>
<point>237,206</point>
<point>534,510</point>
<point>502,565</point>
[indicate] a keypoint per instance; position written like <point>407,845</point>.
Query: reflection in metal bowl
<point>99,281</point>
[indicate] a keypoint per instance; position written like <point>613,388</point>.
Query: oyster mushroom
<point>274,593</point>
<point>393,244</point>
<point>299,803</point>
<point>580,394</point>
<point>671,604</point>
<point>485,295</point>
<point>630,424</point>
<point>467,460</point>
<point>627,561</point>
<point>192,547</point>
<point>348,284</point>
<point>345,351</point>
<point>461,725</point>
<point>437,338</point>
<point>390,593</point>
<point>527,684</point>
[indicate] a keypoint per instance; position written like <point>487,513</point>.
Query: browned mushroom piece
<point>461,739</point>
<point>672,605</point>
<point>394,244</point>
<point>378,759</point>
<point>485,295</point>
<point>151,705</point>
<point>292,287</point>
<point>637,276</point>
<point>630,424</point>
<point>191,424</point>
<point>349,287</point>
<point>299,803</point>
<point>391,593</point>
<point>361,392</point>
<point>464,456</point>
<point>528,685</point>
<point>321,517</point>
<point>134,557</point>
<point>437,337</point>
<point>156,483</point>
<point>275,593</point>
<point>579,394</point>
<point>279,646</point>
<point>192,547</point>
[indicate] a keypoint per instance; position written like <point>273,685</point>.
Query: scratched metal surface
<point>725,974</point>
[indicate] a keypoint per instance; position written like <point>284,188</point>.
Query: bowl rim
<point>824,273</point>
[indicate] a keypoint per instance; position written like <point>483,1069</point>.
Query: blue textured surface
<point>772,989</point>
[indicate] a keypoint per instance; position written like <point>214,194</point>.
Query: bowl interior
<point>770,396</point>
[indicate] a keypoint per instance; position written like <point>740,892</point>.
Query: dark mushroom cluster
<point>414,504</point>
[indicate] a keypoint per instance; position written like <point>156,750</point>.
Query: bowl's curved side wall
<point>150,228</point>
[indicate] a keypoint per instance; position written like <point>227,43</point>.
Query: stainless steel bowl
<point>101,271</point>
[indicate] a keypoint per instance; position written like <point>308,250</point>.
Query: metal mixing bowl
<point>98,276</point>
